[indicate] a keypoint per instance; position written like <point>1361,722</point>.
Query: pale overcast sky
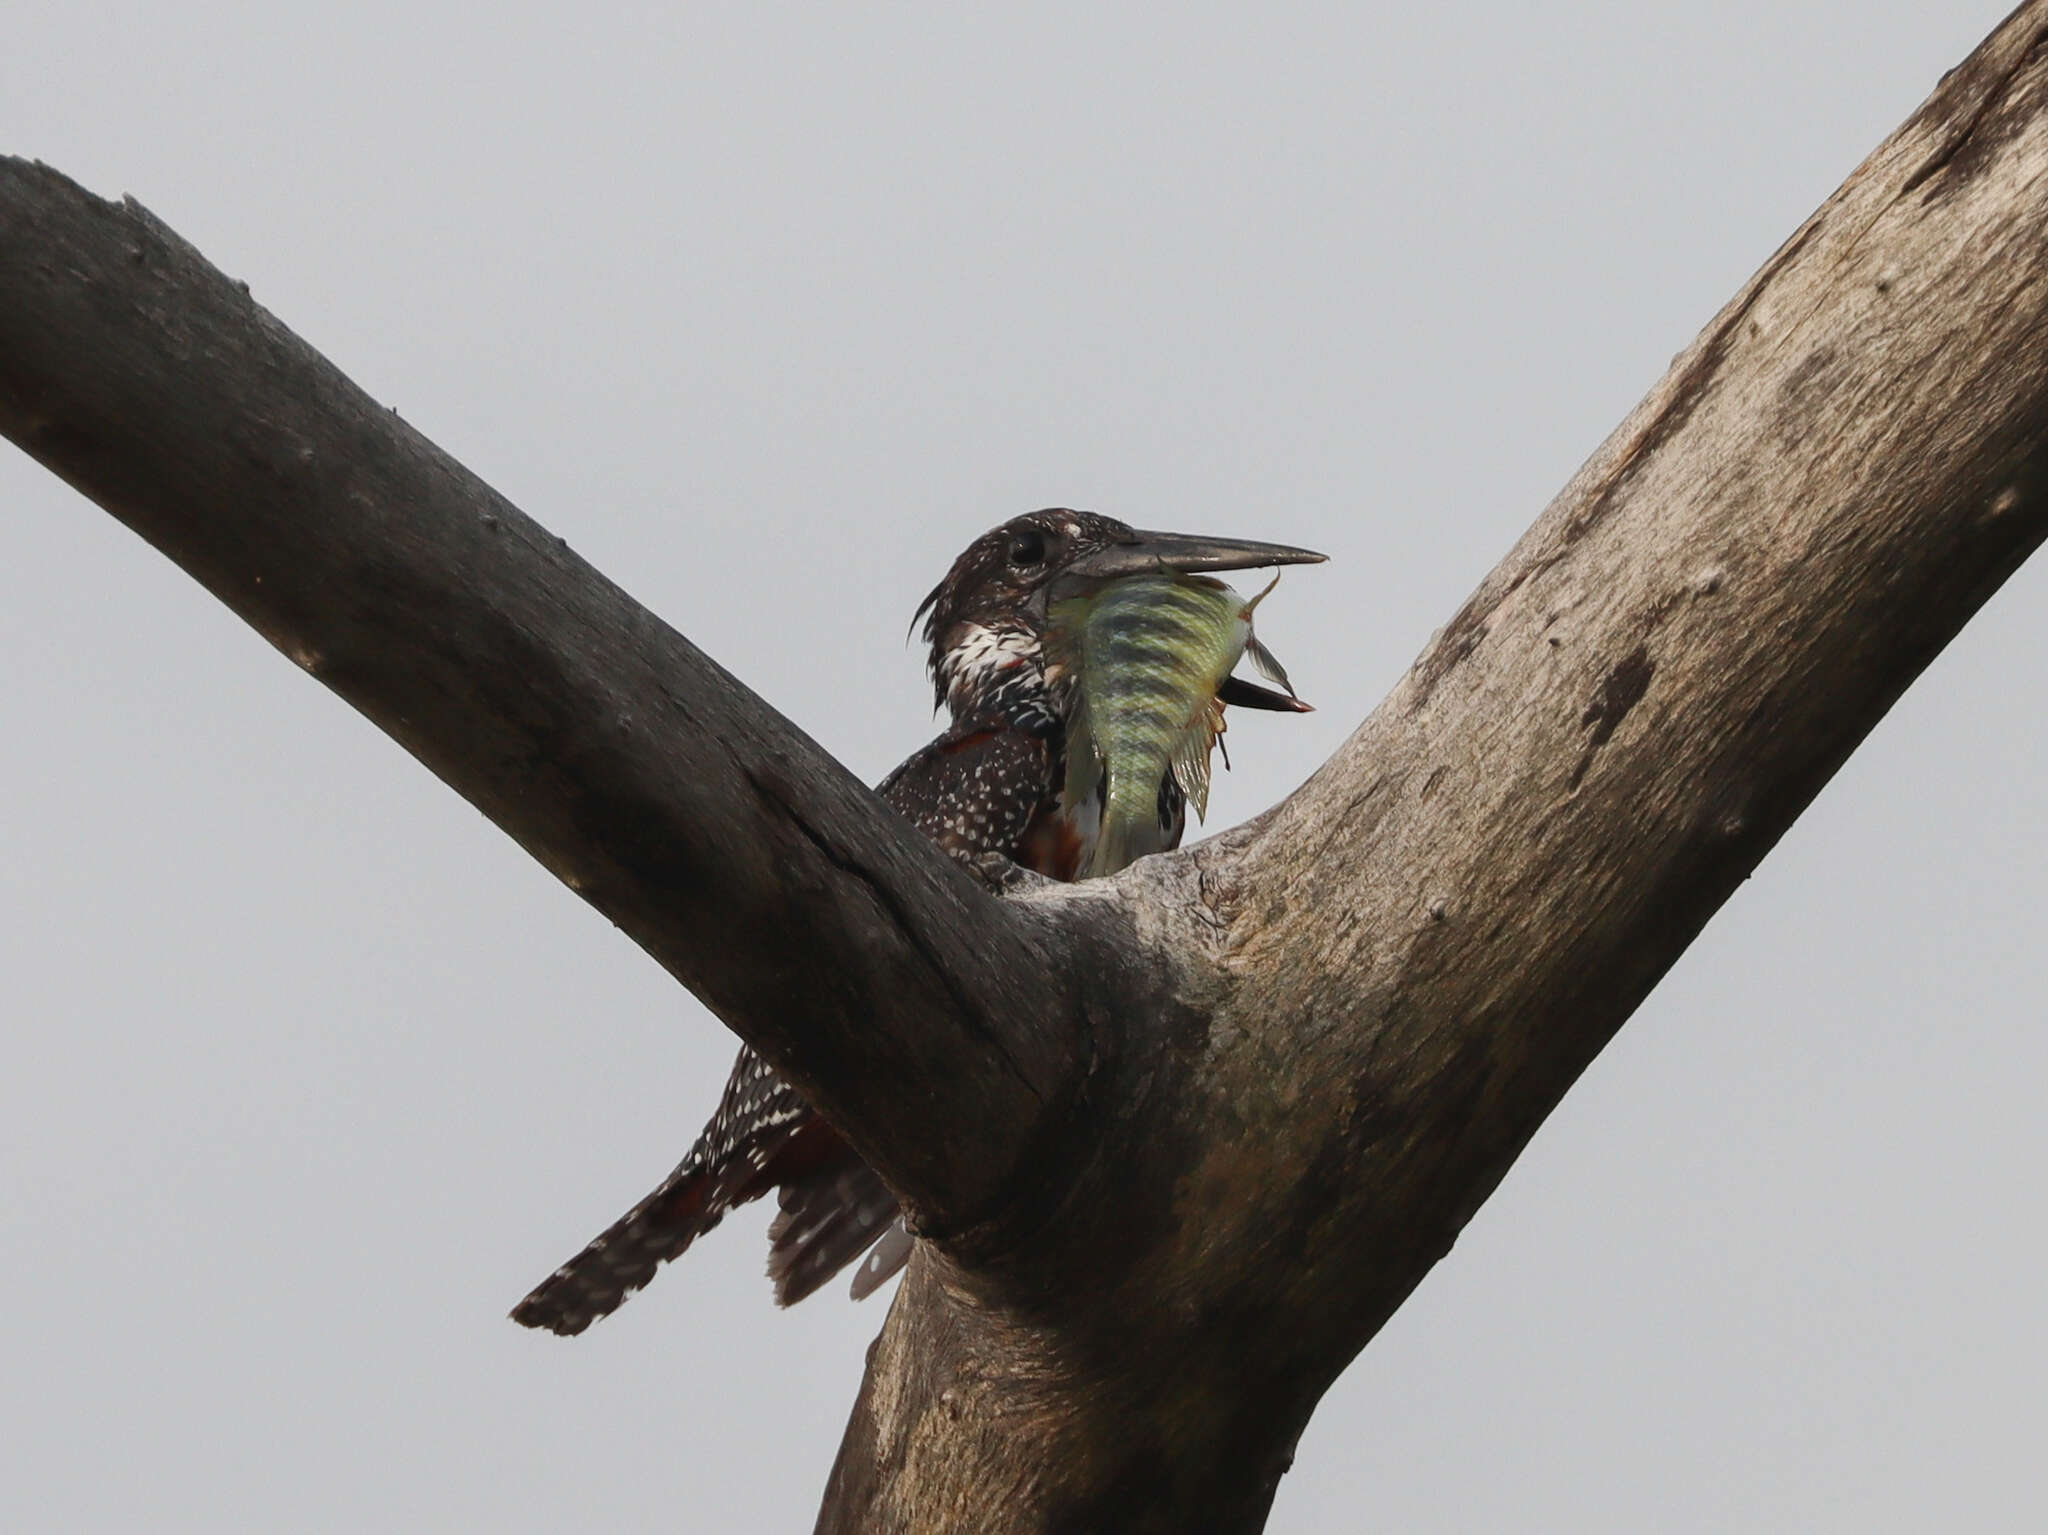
<point>310,1073</point>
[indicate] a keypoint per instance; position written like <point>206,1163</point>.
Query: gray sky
<point>310,1072</point>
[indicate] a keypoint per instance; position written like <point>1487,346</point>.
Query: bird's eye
<point>1027,549</point>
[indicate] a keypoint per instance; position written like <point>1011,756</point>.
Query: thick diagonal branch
<point>1387,984</point>
<point>716,834</point>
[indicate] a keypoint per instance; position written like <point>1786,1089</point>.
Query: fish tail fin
<point>1130,826</point>
<point>1268,664</point>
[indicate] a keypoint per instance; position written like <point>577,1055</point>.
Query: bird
<point>995,782</point>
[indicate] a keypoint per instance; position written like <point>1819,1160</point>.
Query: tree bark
<point>1180,1142</point>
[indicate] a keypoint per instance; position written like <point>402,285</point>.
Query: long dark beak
<point>1158,553</point>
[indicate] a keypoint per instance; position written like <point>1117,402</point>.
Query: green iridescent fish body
<point>1147,655</point>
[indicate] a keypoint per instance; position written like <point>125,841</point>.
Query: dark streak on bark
<point>1452,648</point>
<point>1979,110</point>
<point>1621,690</point>
<point>1693,382</point>
<point>1804,391</point>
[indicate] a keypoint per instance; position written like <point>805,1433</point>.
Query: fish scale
<point>1147,655</point>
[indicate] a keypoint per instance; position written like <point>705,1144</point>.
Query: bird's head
<point>985,622</point>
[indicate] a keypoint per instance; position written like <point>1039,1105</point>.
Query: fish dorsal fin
<point>1262,594</point>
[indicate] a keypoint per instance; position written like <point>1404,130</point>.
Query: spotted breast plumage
<point>994,783</point>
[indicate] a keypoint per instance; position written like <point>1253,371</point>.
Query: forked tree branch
<point>1182,1164</point>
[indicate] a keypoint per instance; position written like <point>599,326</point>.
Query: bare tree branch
<point>1184,1139</point>
<point>717,835</point>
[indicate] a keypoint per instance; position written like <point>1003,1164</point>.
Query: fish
<point>1147,657</point>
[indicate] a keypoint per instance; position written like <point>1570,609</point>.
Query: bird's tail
<point>596,1282</point>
